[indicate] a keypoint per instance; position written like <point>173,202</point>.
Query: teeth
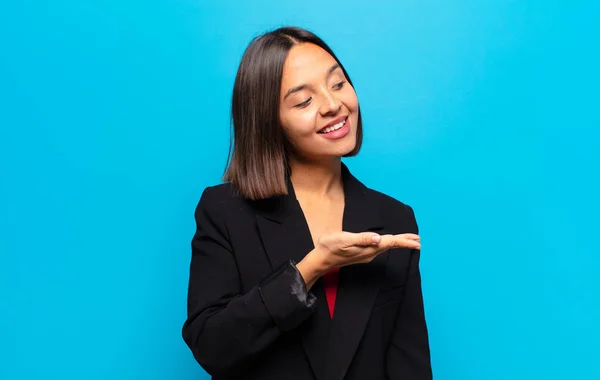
<point>334,127</point>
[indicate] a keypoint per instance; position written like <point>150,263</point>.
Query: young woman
<point>298,270</point>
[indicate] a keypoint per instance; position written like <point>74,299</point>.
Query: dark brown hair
<point>258,166</point>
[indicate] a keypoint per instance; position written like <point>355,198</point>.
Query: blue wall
<point>481,115</point>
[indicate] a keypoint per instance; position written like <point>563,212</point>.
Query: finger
<point>395,241</point>
<point>409,236</point>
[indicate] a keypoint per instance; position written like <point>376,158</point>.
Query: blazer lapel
<point>328,345</point>
<point>285,235</point>
<point>358,284</point>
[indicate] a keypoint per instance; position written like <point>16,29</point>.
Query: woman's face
<point>318,107</point>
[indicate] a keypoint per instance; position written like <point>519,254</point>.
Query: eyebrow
<point>303,86</point>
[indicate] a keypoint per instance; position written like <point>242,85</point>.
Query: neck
<point>318,179</point>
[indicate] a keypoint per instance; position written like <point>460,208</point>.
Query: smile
<point>335,127</point>
<point>337,130</point>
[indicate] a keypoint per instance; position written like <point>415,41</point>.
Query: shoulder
<point>392,209</point>
<point>217,199</point>
<point>221,193</point>
<point>221,210</point>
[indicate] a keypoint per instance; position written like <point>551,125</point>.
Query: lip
<point>337,134</point>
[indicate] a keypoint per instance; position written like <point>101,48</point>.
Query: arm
<point>225,329</point>
<point>408,356</point>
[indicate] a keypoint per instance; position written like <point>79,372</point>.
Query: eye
<point>338,86</point>
<point>303,104</point>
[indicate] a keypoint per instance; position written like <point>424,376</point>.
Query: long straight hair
<point>258,160</point>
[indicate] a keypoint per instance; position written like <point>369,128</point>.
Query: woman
<point>298,270</point>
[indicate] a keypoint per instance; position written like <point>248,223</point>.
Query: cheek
<point>299,124</point>
<point>351,101</point>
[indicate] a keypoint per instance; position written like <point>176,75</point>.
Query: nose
<point>330,105</point>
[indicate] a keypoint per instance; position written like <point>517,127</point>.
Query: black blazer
<point>250,316</point>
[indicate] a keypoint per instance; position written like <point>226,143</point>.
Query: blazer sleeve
<point>226,329</point>
<point>408,357</point>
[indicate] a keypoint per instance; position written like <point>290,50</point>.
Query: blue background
<point>114,116</point>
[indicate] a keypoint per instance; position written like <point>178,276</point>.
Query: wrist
<point>317,260</point>
<point>312,266</point>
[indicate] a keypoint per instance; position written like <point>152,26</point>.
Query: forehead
<point>305,61</point>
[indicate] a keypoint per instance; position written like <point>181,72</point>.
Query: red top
<point>330,280</point>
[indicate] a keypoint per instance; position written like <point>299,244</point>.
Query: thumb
<point>366,239</point>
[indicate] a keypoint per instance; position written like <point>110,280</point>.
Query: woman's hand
<point>340,249</point>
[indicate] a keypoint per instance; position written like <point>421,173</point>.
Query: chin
<point>347,148</point>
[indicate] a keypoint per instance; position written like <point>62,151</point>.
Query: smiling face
<point>318,107</point>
